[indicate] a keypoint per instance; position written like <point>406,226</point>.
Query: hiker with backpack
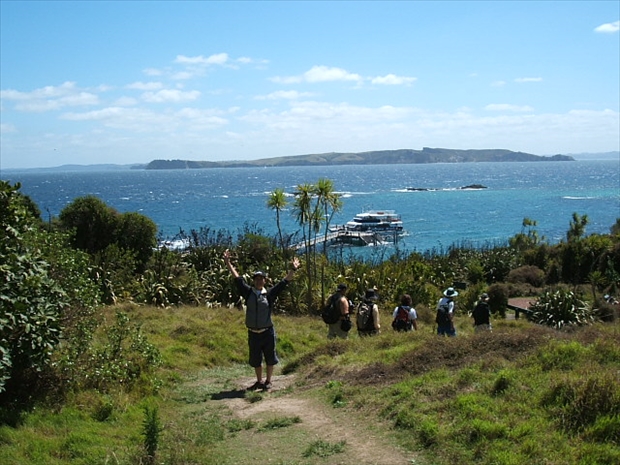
<point>445,313</point>
<point>367,318</point>
<point>259,304</point>
<point>405,316</point>
<point>482,314</point>
<point>336,314</point>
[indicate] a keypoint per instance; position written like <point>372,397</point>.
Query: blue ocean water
<point>227,198</point>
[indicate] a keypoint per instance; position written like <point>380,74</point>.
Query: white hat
<point>450,292</point>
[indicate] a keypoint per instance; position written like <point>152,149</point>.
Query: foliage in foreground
<point>57,347</point>
<point>522,394</point>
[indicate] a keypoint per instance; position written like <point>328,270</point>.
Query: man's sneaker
<point>267,386</point>
<point>256,386</point>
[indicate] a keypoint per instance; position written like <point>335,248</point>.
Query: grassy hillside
<point>522,394</point>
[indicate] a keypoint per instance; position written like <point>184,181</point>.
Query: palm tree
<point>577,227</point>
<point>277,201</point>
<point>329,201</point>
<point>303,211</point>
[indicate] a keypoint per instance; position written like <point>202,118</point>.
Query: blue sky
<point>128,82</point>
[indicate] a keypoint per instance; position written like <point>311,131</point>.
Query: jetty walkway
<point>360,238</point>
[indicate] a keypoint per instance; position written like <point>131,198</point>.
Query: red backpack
<point>401,322</point>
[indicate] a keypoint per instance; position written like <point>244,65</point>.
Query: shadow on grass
<point>231,394</point>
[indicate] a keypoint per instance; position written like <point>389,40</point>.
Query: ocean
<point>229,198</point>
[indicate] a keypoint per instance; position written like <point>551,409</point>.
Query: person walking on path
<point>445,313</point>
<point>368,323</point>
<point>339,300</point>
<point>482,314</point>
<point>261,333</point>
<point>404,317</point>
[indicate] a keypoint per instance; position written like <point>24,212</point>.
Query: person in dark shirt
<point>261,333</point>
<point>482,314</point>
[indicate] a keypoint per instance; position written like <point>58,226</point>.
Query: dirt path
<point>366,442</point>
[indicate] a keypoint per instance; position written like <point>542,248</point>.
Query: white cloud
<point>139,120</point>
<point>324,74</point>
<point>608,28</point>
<point>498,83</point>
<point>6,128</point>
<point>95,115</point>
<point>529,79</point>
<point>184,75</point>
<point>217,59</point>
<point>152,72</point>
<point>508,107</point>
<point>283,95</point>
<point>50,98</point>
<point>320,74</point>
<point>393,80</point>
<point>125,102</point>
<point>170,95</point>
<point>145,85</point>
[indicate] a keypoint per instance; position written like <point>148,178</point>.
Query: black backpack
<point>401,322</point>
<point>331,311</point>
<point>364,320</point>
<point>443,314</point>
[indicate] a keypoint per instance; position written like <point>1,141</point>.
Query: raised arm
<point>291,272</point>
<point>230,266</point>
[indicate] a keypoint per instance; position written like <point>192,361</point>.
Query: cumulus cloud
<point>147,121</point>
<point>125,102</point>
<point>217,59</point>
<point>50,98</point>
<point>320,74</point>
<point>608,28</point>
<point>393,80</point>
<point>145,85</point>
<point>283,95</point>
<point>170,95</point>
<point>508,107</point>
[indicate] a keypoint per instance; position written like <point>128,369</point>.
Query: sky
<point>92,82</point>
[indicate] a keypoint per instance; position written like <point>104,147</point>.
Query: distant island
<point>378,157</point>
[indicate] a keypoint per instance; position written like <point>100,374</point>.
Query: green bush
<point>527,274</point>
<point>31,302</point>
<point>561,308</point>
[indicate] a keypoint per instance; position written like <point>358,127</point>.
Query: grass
<point>522,394</point>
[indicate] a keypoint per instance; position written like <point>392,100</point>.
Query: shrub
<point>31,302</point>
<point>527,274</point>
<point>561,308</point>
<point>498,298</point>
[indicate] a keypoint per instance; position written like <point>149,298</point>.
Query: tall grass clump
<point>579,403</point>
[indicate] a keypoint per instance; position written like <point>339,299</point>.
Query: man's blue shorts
<point>262,345</point>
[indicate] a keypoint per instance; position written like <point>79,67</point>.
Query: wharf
<point>359,238</point>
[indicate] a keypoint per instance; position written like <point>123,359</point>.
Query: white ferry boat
<point>377,221</point>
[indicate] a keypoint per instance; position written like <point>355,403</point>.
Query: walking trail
<point>367,441</point>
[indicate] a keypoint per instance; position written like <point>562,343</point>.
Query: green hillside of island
<point>377,157</point>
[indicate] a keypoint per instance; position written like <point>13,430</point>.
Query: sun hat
<point>450,292</point>
<point>259,273</point>
<point>371,295</point>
